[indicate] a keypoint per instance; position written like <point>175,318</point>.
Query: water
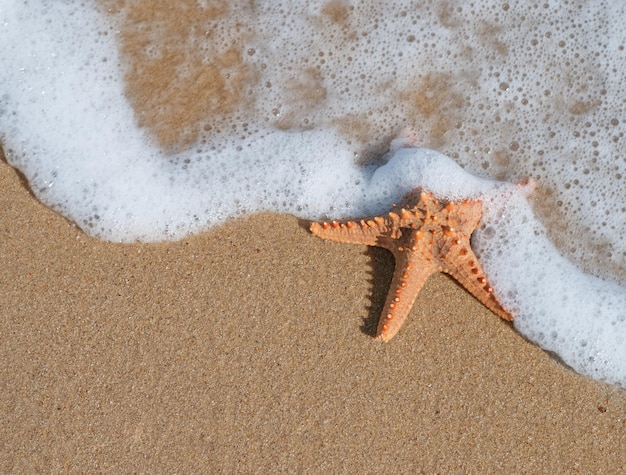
<point>138,128</point>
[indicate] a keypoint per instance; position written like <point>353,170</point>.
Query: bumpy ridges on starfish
<point>425,236</point>
<point>371,231</point>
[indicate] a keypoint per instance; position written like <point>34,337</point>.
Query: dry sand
<point>243,350</point>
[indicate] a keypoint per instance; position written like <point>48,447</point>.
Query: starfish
<point>425,235</point>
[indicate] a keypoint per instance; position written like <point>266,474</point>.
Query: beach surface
<point>249,349</point>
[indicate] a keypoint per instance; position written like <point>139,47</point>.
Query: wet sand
<point>248,349</point>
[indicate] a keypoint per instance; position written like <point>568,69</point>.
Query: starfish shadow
<point>381,272</point>
<point>382,265</point>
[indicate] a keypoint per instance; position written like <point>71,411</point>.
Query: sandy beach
<point>249,349</point>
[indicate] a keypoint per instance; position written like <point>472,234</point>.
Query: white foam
<point>580,317</point>
<point>505,97</point>
<point>86,158</point>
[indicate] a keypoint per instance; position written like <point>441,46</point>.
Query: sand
<point>248,349</point>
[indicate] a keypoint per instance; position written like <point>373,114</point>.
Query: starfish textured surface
<point>425,235</point>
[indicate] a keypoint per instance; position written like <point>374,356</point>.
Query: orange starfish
<point>425,236</point>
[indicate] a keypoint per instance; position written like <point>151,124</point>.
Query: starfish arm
<point>468,272</point>
<point>408,279</point>
<point>366,231</point>
<point>376,231</point>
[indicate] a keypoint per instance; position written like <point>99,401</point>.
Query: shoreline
<point>242,349</point>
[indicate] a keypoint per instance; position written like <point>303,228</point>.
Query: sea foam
<point>317,91</point>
